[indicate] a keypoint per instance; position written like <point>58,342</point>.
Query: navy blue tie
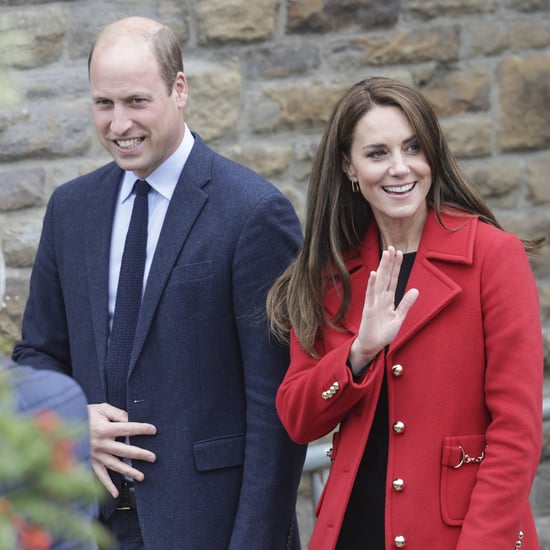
<point>128,299</point>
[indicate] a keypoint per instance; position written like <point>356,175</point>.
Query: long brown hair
<point>337,218</point>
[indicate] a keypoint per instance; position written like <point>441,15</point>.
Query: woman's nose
<point>399,166</point>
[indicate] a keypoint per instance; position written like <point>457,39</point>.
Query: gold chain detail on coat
<point>467,459</point>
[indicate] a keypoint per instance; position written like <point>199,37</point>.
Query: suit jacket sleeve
<point>45,341</point>
<point>273,464</point>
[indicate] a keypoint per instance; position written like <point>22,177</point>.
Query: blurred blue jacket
<point>38,390</point>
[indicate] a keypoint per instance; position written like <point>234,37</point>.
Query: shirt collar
<point>165,178</point>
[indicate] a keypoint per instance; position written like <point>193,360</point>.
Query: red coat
<point>464,372</point>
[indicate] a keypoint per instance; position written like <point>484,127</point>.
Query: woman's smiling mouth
<point>399,189</point>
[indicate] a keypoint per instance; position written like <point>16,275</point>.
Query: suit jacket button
<point>398,484</point>
<point>399,427</point>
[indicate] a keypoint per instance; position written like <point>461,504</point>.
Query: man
<point>195,456</point>
<point>38,391</point>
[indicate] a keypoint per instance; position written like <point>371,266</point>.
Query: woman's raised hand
<point>381,320</point>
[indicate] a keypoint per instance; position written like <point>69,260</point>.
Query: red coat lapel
<point>452,243</point>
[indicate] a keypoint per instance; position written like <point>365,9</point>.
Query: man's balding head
<point>163,43</point>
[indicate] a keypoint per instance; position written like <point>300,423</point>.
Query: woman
<point>415,332</point>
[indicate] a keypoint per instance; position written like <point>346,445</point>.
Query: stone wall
<point>263,77</point>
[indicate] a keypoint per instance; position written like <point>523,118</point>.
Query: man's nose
<point>120,120</point>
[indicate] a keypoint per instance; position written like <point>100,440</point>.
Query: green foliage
<point>40,479</point>
<point>6,343</point>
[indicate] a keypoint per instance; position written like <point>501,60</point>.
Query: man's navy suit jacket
<point>204,369</point>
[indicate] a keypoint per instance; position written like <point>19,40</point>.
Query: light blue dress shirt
<point>163,182</point>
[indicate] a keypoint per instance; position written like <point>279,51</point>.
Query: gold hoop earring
<point>355,186</point>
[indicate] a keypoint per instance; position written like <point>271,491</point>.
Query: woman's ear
<point>347,168</point>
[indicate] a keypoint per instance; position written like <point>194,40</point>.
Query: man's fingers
<point>108,412</point>
<point>105,479</point>
<point>100,427</point>
<point>135,453</point>
<point>135,428</point>
<point>123,468</point>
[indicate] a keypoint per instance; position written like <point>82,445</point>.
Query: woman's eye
<point>376,154</point>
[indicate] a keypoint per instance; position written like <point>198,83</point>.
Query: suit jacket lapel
<point>98,229</point>
<point>185,206</point>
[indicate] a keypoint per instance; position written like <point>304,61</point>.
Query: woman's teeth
<point>400,188</point>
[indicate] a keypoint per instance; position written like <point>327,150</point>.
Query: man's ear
<point>181,90</point>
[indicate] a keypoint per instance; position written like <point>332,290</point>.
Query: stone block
<point>530,34</point>
<point>21,188</point>
<point>42,130</point>
<point>429,9</point>
<point>214,106</point>
<point>459,91</point>
<point>236,20</point>
<point>87,20</point>
<point>332,15</point>
<point>392,48</point>
<point>20,236</point>
<point>528,6</point>
<point>282,61</point>
<point>71,84</point>
<point>304,154</point>
<point>494,178</point>
<point>34,36</point>
<point>268,160</point>
<point>524,121</point>
<point>11,314</point>
<point>533,226</point>
<point>469,138</point>
<point>295,108</point>
<point>487,38</point>
<point>544,296</point>
<point>537,179</point>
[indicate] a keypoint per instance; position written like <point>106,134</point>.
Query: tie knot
<point>141,187</point>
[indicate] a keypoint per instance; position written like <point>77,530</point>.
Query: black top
<point>363,525</point>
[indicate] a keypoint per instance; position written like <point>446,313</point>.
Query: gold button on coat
<point>398,484</point>
<point>397,370</point>
<point>399,427</point>
<point>331,391</point>
<point>399,541</point>
<point>518,542</point>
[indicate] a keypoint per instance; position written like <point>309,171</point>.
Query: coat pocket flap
<point>461,450</point>
<point>219,452</point>
<point>460,460</point>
